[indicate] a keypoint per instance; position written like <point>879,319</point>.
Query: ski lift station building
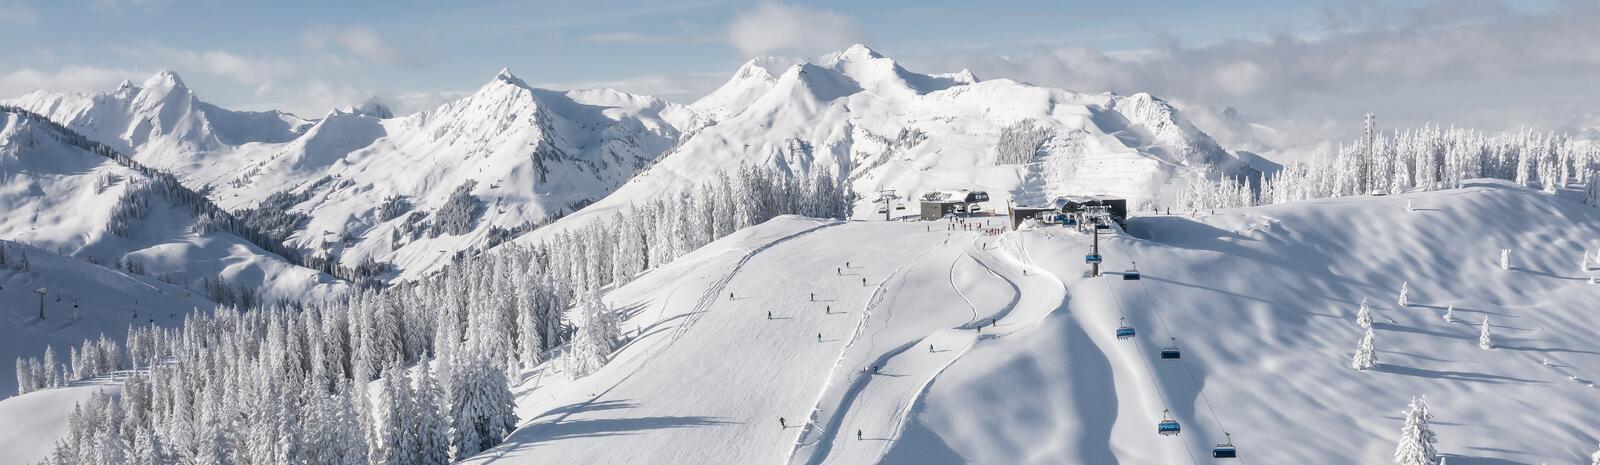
<point>1021,213</point>
<point>939,204</point>
<point>1117,207</point>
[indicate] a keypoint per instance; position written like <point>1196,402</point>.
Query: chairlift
<point>1124,331</point>
<point>1168,426</point>
<point>1171,351</point>
<point>900,207</point>
<point>1130,275</point>
<point>883,210</point>
<point>1225,450</point>
<point>1091,258</point>
<point>1102,225</point>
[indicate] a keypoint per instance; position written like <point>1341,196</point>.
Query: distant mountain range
<point>399,196</point>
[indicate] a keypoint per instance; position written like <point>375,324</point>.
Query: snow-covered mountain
<point>859,114</point>
<point>364,188</point>
<point>61,197</point>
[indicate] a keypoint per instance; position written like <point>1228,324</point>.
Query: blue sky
<point>307,57</point>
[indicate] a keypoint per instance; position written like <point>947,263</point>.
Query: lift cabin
<point>1226,449</point>
<point>1124,332</point>
<point>1171,351</point>
<point>1168,426</point>
<point>1130,275</point>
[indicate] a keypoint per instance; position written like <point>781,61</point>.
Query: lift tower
<point>887,198</point>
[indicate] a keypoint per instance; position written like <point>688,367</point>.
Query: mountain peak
<point>505,75</point>
<point>860,50</point>
<point>166,78</point>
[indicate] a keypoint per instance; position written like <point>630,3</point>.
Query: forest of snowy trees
<point>1430,158</point>
<point>284,384</point>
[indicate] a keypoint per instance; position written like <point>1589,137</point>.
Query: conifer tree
<point>432,429</point>
<point>1365,357</point>
<point>1417,441</point>
<point>1450,313</point>
<point>1364,315</point>
<point>1505,259</point>
<point>1405,291</point>
<point>1485,342</point>
<point>482,411</point>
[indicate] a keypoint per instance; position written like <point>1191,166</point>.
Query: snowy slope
<point>35,421</point>
<point>860,114</point>
<point>525,154</point>
<point>82,301</point>
<point>60,198</point>
<point>1261,301</point>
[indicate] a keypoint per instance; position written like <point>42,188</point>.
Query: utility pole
<point>41,292</point>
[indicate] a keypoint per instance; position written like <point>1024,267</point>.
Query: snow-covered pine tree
<point>1450,313</point>
<point>1505,259</point>
<point>1417,442</point>
<point>1405,291</point>
<point>24,376</point>
<point>392,419</point>
<point>1591,194</point>
<point>482,411</point>
<point>592,344</point>
<point>1364,315</point>
<point>1365,357</point>
<point>432,428</point>
<point>1485,341</point>
<point>1595,459</point>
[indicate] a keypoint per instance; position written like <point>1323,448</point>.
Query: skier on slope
<point>769,314</point>
<point>819,337</point>
<point>858,435</point>
<point>782,423</point>
<point>863,282</point>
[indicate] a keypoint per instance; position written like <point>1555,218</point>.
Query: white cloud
<point>680,88</point>
<point>1442,62</point>
<point>16,13</point>
<point>67,79</point>
<point>259,72</point>
<point>347,46</point>
<point>778,28</point>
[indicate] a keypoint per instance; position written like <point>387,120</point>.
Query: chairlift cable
<point>1188,369</point>
<point>1150,370</point>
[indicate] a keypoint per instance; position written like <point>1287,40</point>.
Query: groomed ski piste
<point>1000,349</point>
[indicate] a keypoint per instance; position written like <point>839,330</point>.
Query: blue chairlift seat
<point>1171,352</point>
<point>1092,258</point>
<point>1225,450</point>
<point>1130,276</point>
<point>1168,426</point>
<point>1124,331</point>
